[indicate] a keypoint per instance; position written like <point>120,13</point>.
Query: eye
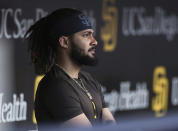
<point>85,34</point>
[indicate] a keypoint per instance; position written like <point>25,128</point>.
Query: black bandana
<point>71,25</point>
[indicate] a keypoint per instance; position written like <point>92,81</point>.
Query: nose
<point>93,41</point>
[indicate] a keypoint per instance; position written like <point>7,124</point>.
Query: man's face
<point>83,47</point>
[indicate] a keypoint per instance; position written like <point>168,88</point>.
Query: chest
<point>91,108</point>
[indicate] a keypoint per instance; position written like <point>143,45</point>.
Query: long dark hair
<point>43,40</point>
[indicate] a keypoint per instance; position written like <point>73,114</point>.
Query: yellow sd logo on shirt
<point>160,89</point>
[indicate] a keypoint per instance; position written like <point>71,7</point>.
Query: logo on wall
<point>137,22</point>
<point>109,30</point>
<point>160,89</point>
<point>13,111</point>
<point>128,99</point>
<point>37,80</point>
<point>174,92</point>
<point>15,17</point>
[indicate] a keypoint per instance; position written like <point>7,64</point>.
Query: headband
<point>71,25</point>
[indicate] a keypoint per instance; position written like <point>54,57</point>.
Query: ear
<point>63,42</point>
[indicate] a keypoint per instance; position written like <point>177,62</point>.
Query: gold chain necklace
<point>82,86</point>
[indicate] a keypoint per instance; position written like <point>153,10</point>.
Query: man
<point>60,44</point>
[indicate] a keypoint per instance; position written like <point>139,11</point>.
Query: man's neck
<point>70,68</point>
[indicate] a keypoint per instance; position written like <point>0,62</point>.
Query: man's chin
<point>91,61</point>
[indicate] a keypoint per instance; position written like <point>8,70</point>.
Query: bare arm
<point>107,116</point>
<point>77,121</point>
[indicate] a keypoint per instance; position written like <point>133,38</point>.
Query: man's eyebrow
<point>91,32</point>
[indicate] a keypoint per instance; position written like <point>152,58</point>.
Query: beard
<point>78,55</point>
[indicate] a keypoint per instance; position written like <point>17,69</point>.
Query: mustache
<point>92,48</point>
